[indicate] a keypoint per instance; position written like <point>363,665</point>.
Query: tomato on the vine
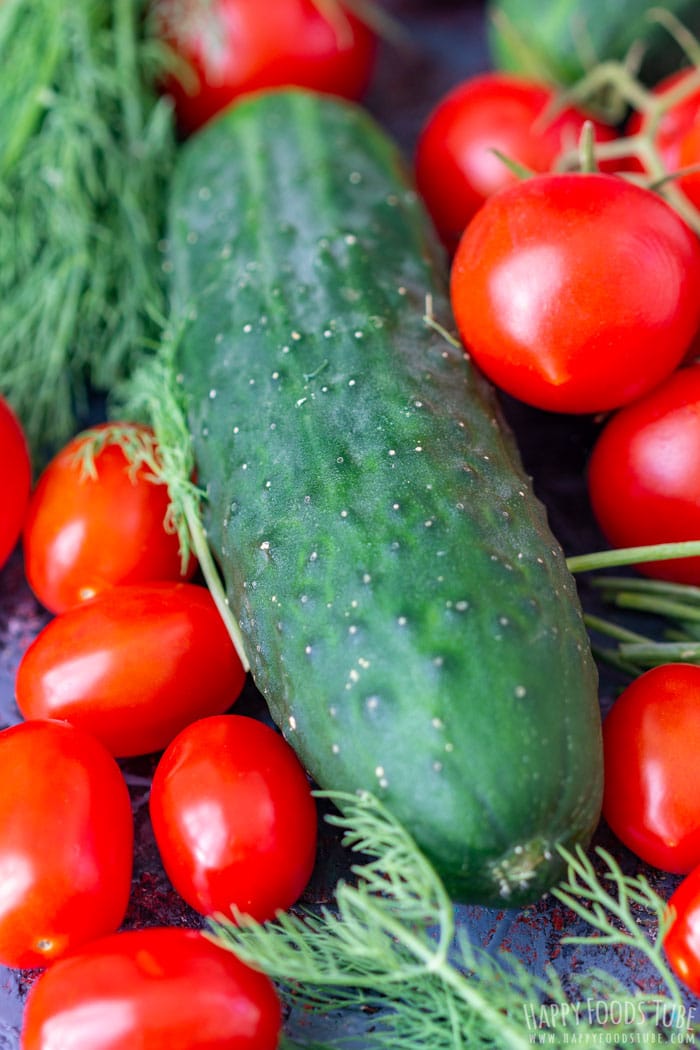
<point>155,988</point>
<point>17,479</point>
<point>90,529</point>
<point>133,666</point>
<point>457,161</point>
<point>577,292</point>
<point>643,477</point>
<point>234,817</point>
<point>227,48</point>
<point>682,939</point>
<point>66,842</point>
<point>651,739</point>
<point>675,132</point>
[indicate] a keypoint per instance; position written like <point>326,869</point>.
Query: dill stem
<point>437,963</point>
<point>127,62</point>
<point>202,551</point>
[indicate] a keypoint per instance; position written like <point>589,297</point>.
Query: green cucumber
<point>560,40</point>
<point>406,611</point>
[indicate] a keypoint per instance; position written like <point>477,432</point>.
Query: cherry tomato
<point>84,533</point>
<point>682,939</point>
<point>231,47</point>
<point>676,134</point>
<point>457,167</point>
<point>643,476</point>
<point>133,666</point>
<point>234,817</point>
<point>651,743</point>
<point>153,989</point>
<point>66,840</point>
<point>17,480</point>
<point>577,292</point>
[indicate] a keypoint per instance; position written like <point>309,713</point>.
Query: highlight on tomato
<point>577,292</point>
<point>682,938</point>
<point>226,48</point>
<point>651,742</point>
<point>457,162</point>
<point>14,451</point>
<point>66,842</point>
<point>643,477</point>
<point>152,988</point>
<point>90,528</point>
<point>234,817</point>
<point>133,666</point>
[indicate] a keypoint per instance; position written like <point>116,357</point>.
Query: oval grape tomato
<point>90,530</point>
<point>234,817</point>
<point>651,743</point>
<point>643,477</point>
<point>153,989</point>
<point>16,487</point>
<point>682,938</point>
<point>133,666</point>
<point>66,841</point>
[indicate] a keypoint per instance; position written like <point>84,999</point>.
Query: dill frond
<point>389,950</point>
<point>86,150</point>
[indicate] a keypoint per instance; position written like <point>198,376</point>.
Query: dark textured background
<point>446,44</point>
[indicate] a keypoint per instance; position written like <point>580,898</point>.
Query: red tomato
<point>456,166</point>
<point>153,989</point>
<point>84,534</point>
<point>643,475</point>
<point>66,840</point>
<point>682,939</point>
<point>17,480</point>
<point>651,743</point>
<point>689,157</point>
<point>234,817</point>
<point>231,47</point>
<point>676,135</point>
<point>133,666</point>
<point>577,292</point>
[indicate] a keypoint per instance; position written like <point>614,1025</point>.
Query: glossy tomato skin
<point>234,817</point>
<point>153,989</point>
<point>651,741</point>
<point>577,292</point>
<point>133,666</point>
<point>682,939</point>
<point>643,476</point>
<point>86,533</point>
<point>233,47</point>
<point>66,841</point>
<point>456,166</point>
<point>17,473</point>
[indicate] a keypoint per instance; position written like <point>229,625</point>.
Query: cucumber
<point>559,40</point>
<point>406,611</point>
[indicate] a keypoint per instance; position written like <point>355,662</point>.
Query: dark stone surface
<point>446,43</point>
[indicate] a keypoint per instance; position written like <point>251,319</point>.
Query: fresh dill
<point>389,949</point>
<point>86,149</point>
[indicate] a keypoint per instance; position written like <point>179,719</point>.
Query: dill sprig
<point>154,393</point>
<point>389,950</point>
<point>85,153</point>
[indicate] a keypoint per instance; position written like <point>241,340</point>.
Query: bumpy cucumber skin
<point>407,613</point>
